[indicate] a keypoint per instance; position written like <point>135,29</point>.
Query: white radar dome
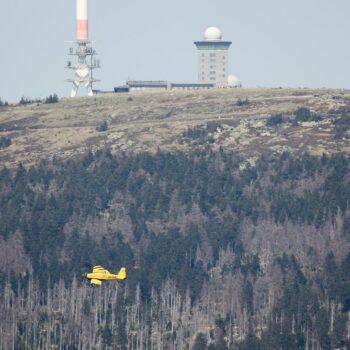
<point>212,33</point>
<point>233,82</point>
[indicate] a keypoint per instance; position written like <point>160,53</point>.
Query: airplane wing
<point>99,269</point>
<point>95,281</point>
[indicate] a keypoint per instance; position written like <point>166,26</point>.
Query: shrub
<point>342,125</point>
<point>274,120</point>
<point>213,126</point>
<point>241,102</point>
<point>303,114</point>
<point>200,133</point>
<point>103,126</point>
<point>195,133</point>
<point>201,342</point>
<point>5,142</point>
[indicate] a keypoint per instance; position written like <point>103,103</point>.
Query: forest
<point>220,253</point>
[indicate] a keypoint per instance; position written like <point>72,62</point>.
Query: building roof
<point>205,44</point>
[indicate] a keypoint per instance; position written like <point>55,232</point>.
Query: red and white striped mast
<point>82,25</point>
<point>84,52</point>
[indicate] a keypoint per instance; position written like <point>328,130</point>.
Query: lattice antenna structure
<point>85,56</point>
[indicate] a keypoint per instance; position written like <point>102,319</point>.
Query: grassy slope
<point>158,119</point>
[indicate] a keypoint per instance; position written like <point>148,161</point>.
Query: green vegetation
<point>5,142</point>
<point>103,126</point>
<point>3,103</point>
<point>176,222</point>
<point>197,132</point>
<point>240,102</point>
<point>52,99</point>
<point>201,342</point>
<point>342,126</point>
<point>305,115</point>
<point>201,134</point>
<point>26,101</point>
<point>275,119</point>
<point>205,179</point>
<point>48,100</point>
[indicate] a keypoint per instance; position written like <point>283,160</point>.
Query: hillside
<point>144,121</point>
<point>230,210</point>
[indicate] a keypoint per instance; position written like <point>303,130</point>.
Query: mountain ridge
<point>146,121</point>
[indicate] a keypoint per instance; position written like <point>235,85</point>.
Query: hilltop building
<point>212,53</point>
<point>213,62</point>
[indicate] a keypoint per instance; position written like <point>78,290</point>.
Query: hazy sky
<point>289,43</point>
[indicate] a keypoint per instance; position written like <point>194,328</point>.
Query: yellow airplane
<point>99,273</point>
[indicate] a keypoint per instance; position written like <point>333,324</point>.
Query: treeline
<point>53,98</point>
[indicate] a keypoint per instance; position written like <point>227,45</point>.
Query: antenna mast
<point>85,61</point>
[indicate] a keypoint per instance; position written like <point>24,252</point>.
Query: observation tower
<point>212,53</point>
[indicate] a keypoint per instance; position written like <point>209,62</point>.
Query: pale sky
<point>288,43</point>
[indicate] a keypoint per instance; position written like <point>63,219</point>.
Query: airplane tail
<point>121,274</point>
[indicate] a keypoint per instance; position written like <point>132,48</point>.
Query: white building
<point>212,55</point>
<point>233,82</point>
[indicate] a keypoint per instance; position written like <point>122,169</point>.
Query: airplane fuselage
<point>101,276</point>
